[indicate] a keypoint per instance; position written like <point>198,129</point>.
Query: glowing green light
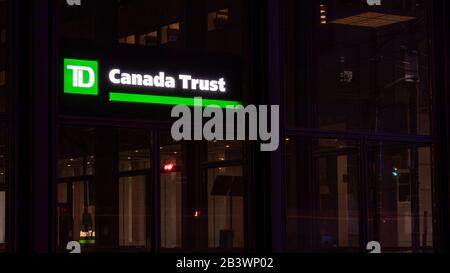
<point>87,242</point>
<point>168,100</point>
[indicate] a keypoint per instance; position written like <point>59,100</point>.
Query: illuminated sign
<point>143,82</point>
<point>87,237</point>
<point>80,77</point>
<point>163,81</point>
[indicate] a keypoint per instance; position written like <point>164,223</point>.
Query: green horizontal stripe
<point>168,100</point>
<point>87,242</point>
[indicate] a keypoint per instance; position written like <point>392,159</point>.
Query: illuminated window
<point>218,19</point>
<point>170,33</point>
<point>130,39</point>
<point>150,38</point>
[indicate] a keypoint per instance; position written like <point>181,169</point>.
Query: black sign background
<point>144,60</point>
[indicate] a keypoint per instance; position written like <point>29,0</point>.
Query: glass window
<point>227,26</point>
<point>134,183</point>
<point>224,150</point>
<point>355,67</point>
<point>226,208</point>
<point>213,25</point>
<point>218,19</point>
<point>134,150</point>
<point>132,211</point>
<point>75,186</point>
<point>171,192</point>
<point>226,195</point>
<point>401,211</point>
<point>322,195</point>
<point>156,23</point>
<point>104,186</point>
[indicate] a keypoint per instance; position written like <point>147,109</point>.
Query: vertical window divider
<point>364,194</point>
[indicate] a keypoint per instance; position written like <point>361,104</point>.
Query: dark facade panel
<point>363,150</point>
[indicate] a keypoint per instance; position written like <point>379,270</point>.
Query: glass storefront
<point>112,206</point>
<point>325,195</point>
<point>358,148</point>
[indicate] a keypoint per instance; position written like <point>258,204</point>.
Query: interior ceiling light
<point>372,20</point>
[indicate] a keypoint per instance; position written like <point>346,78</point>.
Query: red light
<point>168,167</point>
<point>197,214</point>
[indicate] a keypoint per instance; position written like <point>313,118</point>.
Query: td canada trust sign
<point>124,83</point>
<point>138,84</point>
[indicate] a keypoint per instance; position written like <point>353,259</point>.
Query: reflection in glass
<point>171,187</point>
<point>132,211</point>
<point>75,191</point>
<point>226,208</point>
<point>76,218</point>
<point>224,150</point>
<point>359,70</point>
<point>401,190</point>
<point>218,19</point>
<point>151,23</point>
<point>213,25</point>
<point>134,160</point>
<point>134,150</point>
<point>322,195</point>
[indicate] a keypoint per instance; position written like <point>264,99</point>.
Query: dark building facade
<point>364,126</point>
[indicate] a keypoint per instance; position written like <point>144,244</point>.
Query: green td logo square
<point>80,77</point>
